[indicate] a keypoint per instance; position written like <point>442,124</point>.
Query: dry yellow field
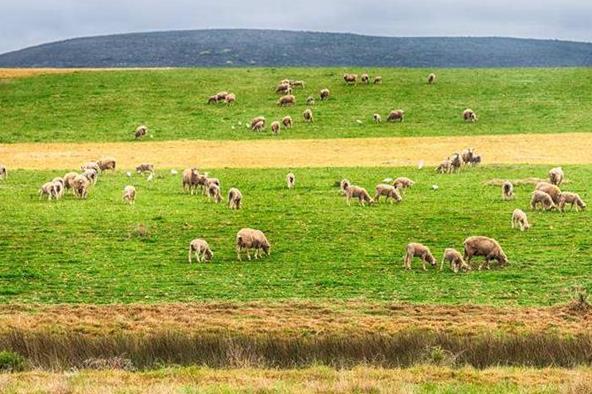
<point>11,73</point>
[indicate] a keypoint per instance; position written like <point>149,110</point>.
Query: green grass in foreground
<point>108,106</point>
<point>90,252</point>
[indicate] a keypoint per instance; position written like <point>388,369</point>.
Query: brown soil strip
<point>11,73</point>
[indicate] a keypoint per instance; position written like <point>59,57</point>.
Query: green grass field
<point>107,106</point>
<point>91,251</point>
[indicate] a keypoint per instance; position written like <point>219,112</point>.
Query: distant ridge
<point>249,48</point>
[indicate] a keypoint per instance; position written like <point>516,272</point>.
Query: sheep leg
<point>442,264</point>
<point>189,254</point>
<point>423,264</point>
<point>238,250</point>
<point>407,261</point>
<point>248,254</point>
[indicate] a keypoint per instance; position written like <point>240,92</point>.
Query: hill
<point>240,48</point>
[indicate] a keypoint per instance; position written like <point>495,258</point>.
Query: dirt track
<point>568,148</point>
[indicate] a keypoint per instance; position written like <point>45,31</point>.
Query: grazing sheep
<point>81,186</point>
<point>141,131</point>
<point>418,250</point>
<point>213,99</point>
<point>283,88</point>
<point>343,185</point>
<point>377,79</point>
<point>467,155</point>
<point>145,167</point>
<point>212,181</point>
<point>455,259</point>
<point>48,189</point>
<point>286,100</point>
<point>542,198</point>
<point>291,180</point>
<point>256,120</point>
<point>107,163</point>
<point>556,176</point>
<point>91,165</point>
<point>310,100</point>
<point>365,78</point>
<point>230,98</point>
<point>455,161</point>
<point>259,126</point>
<point>432,78</point>
<point>3,172</point>
<point>358,192</point>
<point>551,190</point>
<point>275,127</point>
<point>403,182</point>
<point>69,180</point>
<point>235,198</point>
<point>129,194</point>
<point>571,198</point>
<point>377,118</point>
<point>325,94</point>
<point>507,190</point>
<point>297,84</point>
<point>519,219</point>
<point>350,78</point>
<point>91,175</point>
<point>388,191</point>
<point>220,96</point>
<point>287,121</point>
<point>476,160</point>
<point>486,247</point>
<point>214,193</point>
<point>201,249</point>
<point>445,167</point>
<point>284,81</point>
<point>307,114</point>
<point>60,186</point>
<point>469,115</point>
<point>247,239</point>
<point>190,179</point>
<point>396,115</point>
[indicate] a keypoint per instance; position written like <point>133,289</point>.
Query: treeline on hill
<point>237,48</point>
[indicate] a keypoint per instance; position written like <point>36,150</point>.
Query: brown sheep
<point>145,167</point>
<point>107,163</point>
<point>259,126</point>
<point>275,127</point>
<point>190,179</point>
<point>445,167</point>
<point>214,193</point>
<point>297,84</point>
<point>388,191</point>
<point>556,176</point>
<point>476,160</point>
<point>551,190</point>
<point>455,161</point>
<point>287,121</point>
<point>507,190</point>
<point>358,192</point>
<point>91,165</point>
<point>60,186</point>
<point>220,96</point>
<point>3,172</point>
<point>235,198</point>
<point>91,175</point>
<point>230,98</point>
<point>81,186</point>
<point>396,115</point>
<point>284,81</point>
<point>377,80</point>
<point>48,189</point>
<point>350,78</point>
<point>377,118</point>
<point>571,198</point>
<point>310,100</point>
<point>365,78</point>
<point>467,155</point>
<point>307,115</point>
<point>486,247</point>
<point>283,88</point>
<point>287,100</point>
<point>455,259</point>
<point>325,93</point>
<point>291,180</point>
<point>213,99</point>
<point>256,120</point>
<point>403,182</point>
<point>129,194</point>
<point>432,78</point>
<point>69,180</point>
<point>141,131</point>
<point>343,185</point>
<point>469,115</point>
<point>519,219</point>
<point>201,249</point>
<point>247,239</point>
<point>542,198</point>
<point>414,249</point>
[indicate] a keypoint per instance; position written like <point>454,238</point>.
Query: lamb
<point>377,80</point>
<point>81,186</point>
<point>141,131</point>
<point>287,122</point>
<point>235,198</point>
<point>107,163</point>
<point>403,182</point>
<point>91,175</point>
<point>48,189</point>
<point>230,98</point>
<point>275,127</point>
<point>556,176</point>
<point>221,95</point>
<point>213,99</point>
<point>343,185</point>
<point>91,165</point>
<point>307,114</point>
<point>247,239</point>
<point>519,219</point>
<point>469,115</point>
<point>507,190</point>
<point>476,160</point>
<point>350,78</point>
<point>455,259</point>
<point>542,198</point>
<point>201,249</point>
<point>69,180</point>
<point>396,115</point>
<point>291,180</point>
<point>486,247</point>
<point>190,179</point>
<point>432,78</point>
<point>414,249</point>
<point>212,181</point>
<point>145,167</point>
<point>256,120</point>
<point>388,191</point>
<point>571,198</point>
<point>3,172</point>
<point>59,186</point>
<point>214,193</point>
<point>358,192</point>
<point>129,194</point>
<point>377,118</point>
<point>286,100</point>
<point>551,190</point>
<point>325,94</point>
<point>467,155</point>
<point>455,161</point>
<point>259,126</point>
<point>365,78</point>
<point>283,88</point>
<point>297,84</point>
<point>445,167</point>
<point>310,100</point>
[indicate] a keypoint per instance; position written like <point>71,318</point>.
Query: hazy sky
<point>30,22</point>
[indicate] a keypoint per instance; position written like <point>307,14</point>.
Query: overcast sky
<point>29,22</point>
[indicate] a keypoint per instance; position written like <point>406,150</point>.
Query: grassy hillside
<point>107,106</point>
<point>94,252</point>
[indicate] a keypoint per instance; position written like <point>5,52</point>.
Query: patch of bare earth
<point>12,73</point>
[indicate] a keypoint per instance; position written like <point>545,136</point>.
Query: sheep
<point>431,79</point>
<point>455,259</point>
<point>213,99</point>
<point>571,198</point>
<point>519,219</point>
<point>350,78</point>
<point>69,180</point>
<point>107,163</point>
<point>141,131</point>
<point>60,186</point>
<point>307,115</point>
<point>284,81</point>
<point>91,165</point>
<point>81,186</point>
<point>486,247</point>
<point>201,249</point>
<point>388,191</point>
<point>377,80</point>
<point>190,179</point>
<point>310,100</point>
<point>297,84</point>
<point>414,249</point>
<point>396,115</point>
<point>221,95</point>
<point>235,198</point>
<point>556,176</point>
<point>145,167</point>
<point>48,189</point>
<point>129,194</point>
<point>403,182</point>
<point>455,161</point>
<point>287,122</point>
<point>259,126</point>
<point>507,190</point>
<point>214,193</point>
<point>91,175</point>
<point>551,190</point>
<point>445,167</point>
<point>247,239</point>
<point>291,180</point>
<point>467,155</point>
<point>469,115</point>
<point>275,127</point>
<point>230,98</point>
<point>365,78</point>
<point>542,198</point>
<point>358,192</point>
<point>283,88</point>
<point>325,94</point>
<point>3,172</point>
<point>476,160</point>
<point>343,185</point>
<point>212,181</point>
<point>377,118</point>
<point>256,120</point>
<point>286,100</point>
